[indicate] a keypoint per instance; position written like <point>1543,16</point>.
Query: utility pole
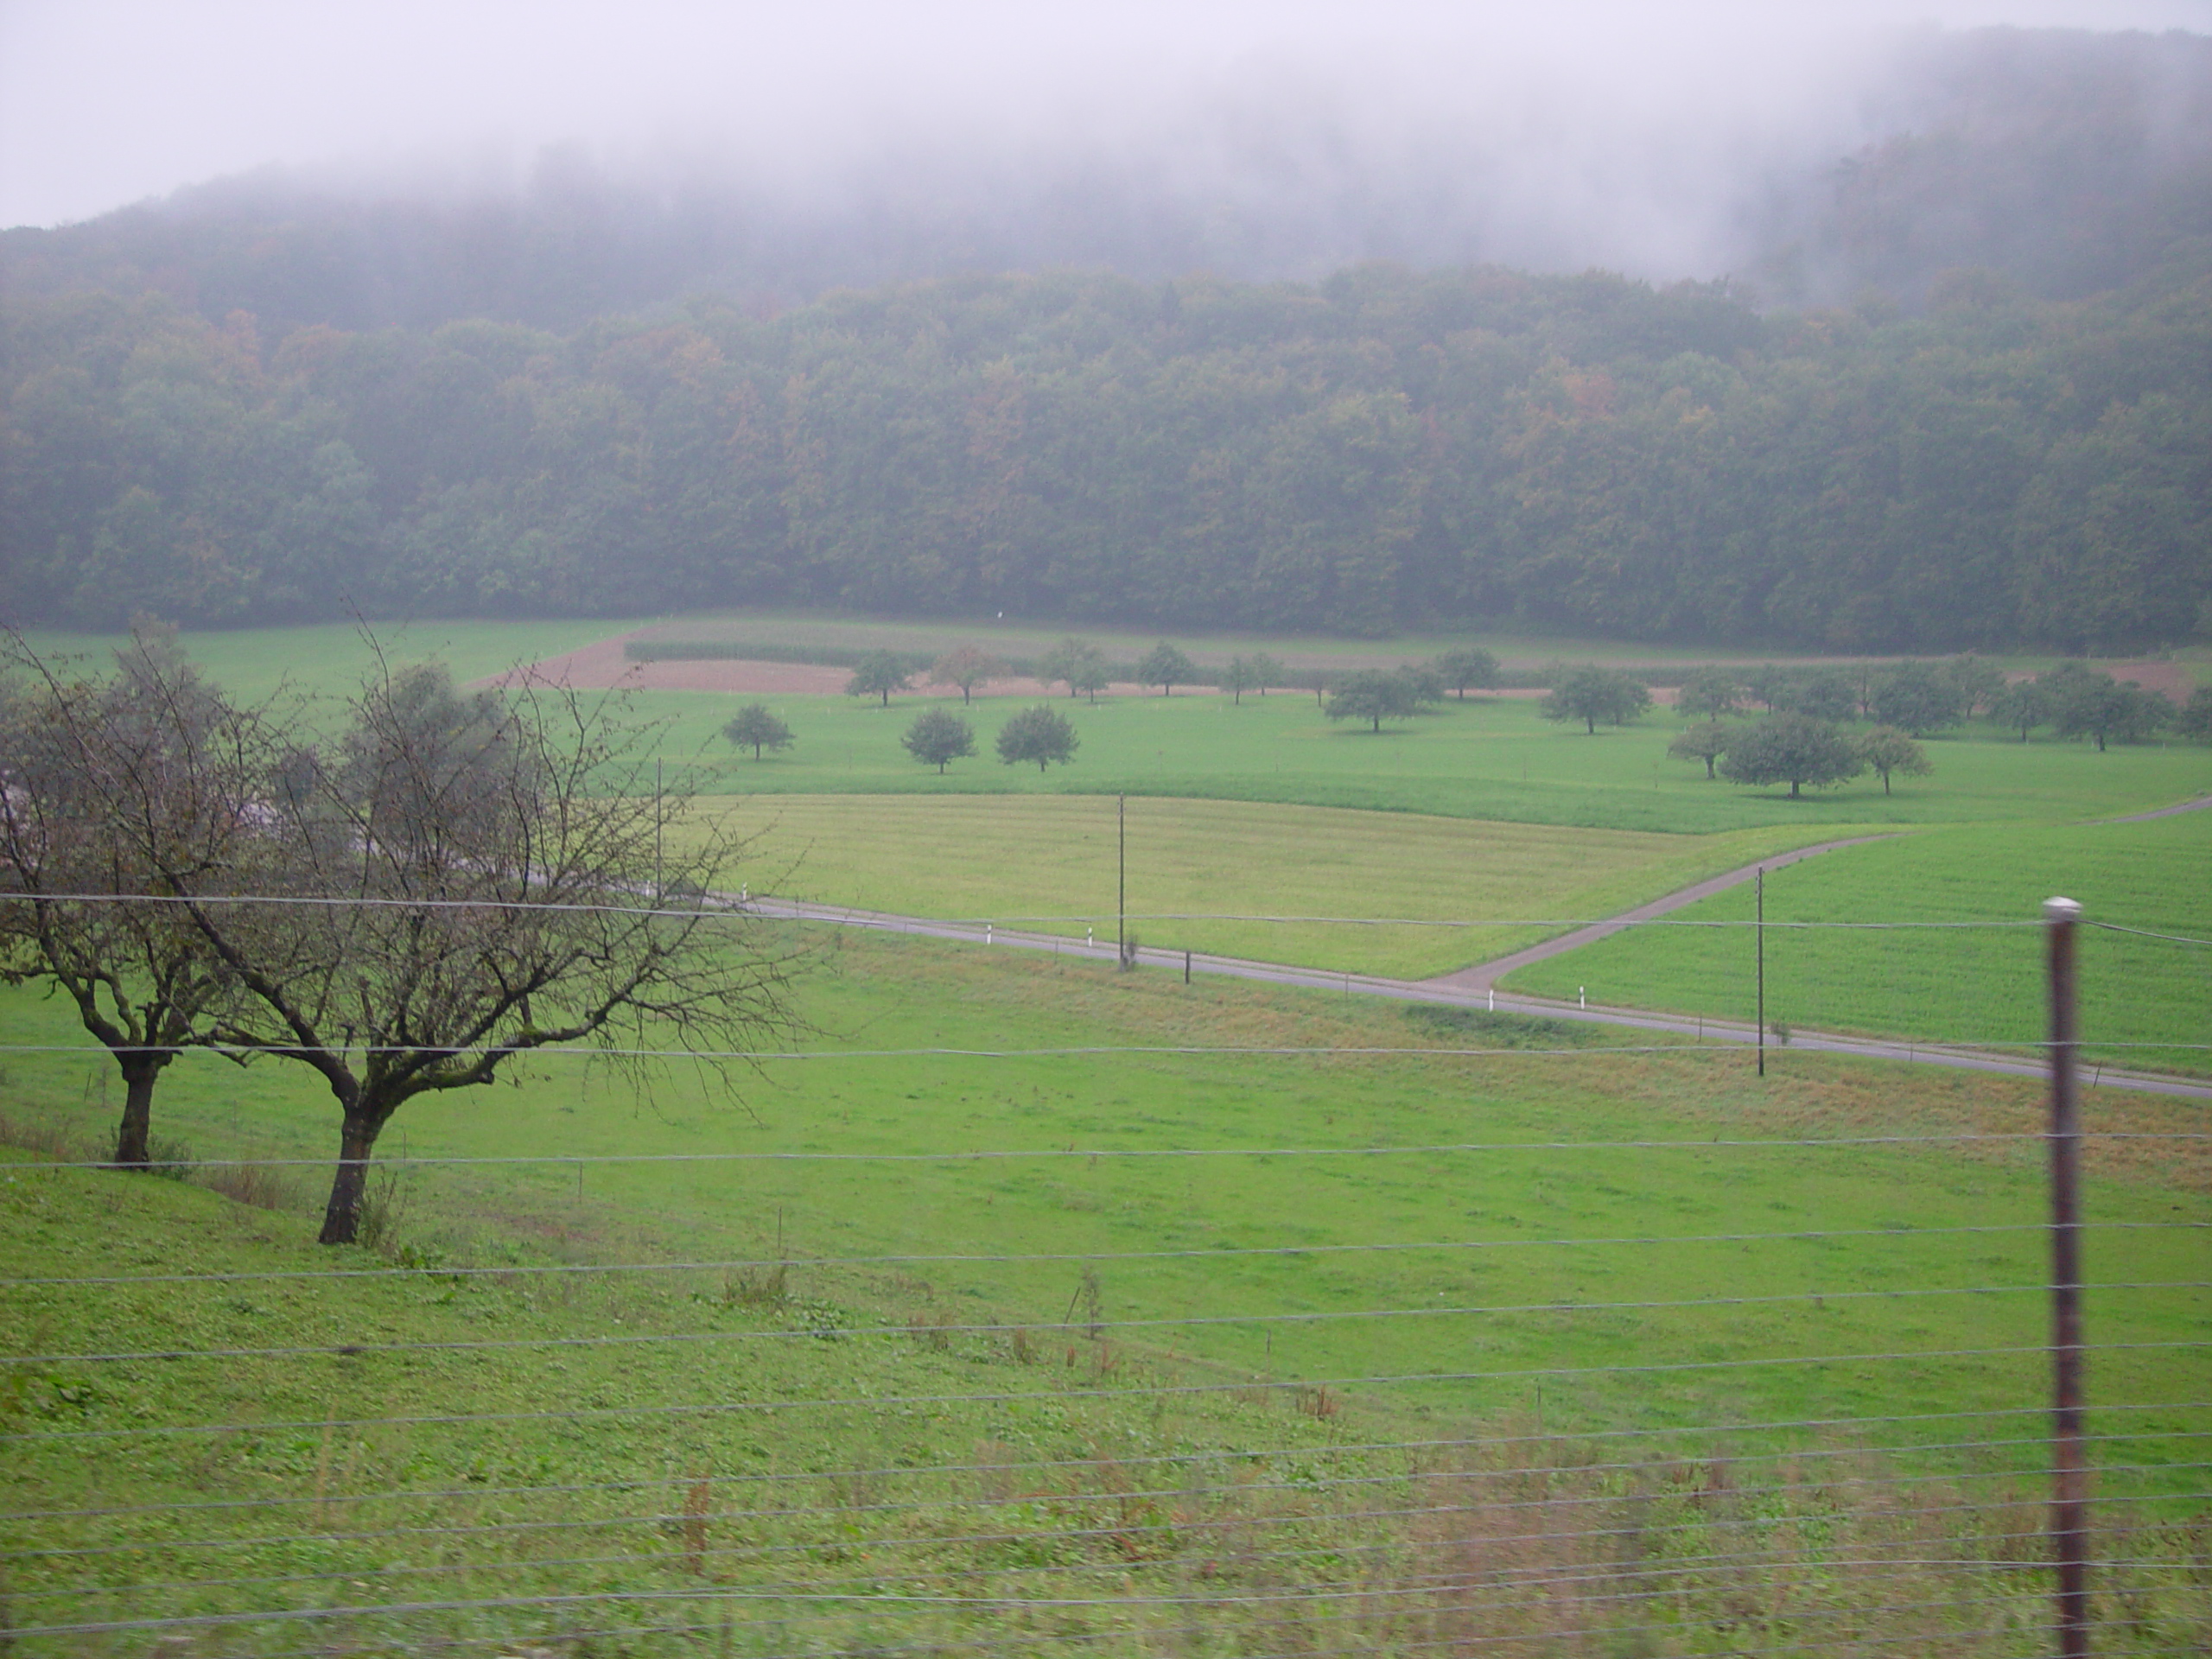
<point>1758,934</point>
<point>1121,880</point>
<point>2069,1504</point>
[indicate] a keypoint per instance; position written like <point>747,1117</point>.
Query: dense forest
<point>250,407</point>
<point>1583,452</point>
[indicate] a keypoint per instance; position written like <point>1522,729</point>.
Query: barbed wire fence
<point>864,1451</point>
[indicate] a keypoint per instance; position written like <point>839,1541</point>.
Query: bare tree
<point>468,879</point>
<point>89,770</point>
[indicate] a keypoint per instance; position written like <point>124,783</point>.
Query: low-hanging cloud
<point>1277,139</point>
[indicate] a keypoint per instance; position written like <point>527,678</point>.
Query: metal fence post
<point>2070,1506</point>
<point>1758,935</point>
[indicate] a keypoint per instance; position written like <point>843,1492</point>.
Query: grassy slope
<point>1060,1202</point>
<point>1947,986</point>
<point>1194,1524</point>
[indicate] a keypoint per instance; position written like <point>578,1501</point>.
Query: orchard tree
<point>877,675</point>
<point>1708,741</point>
<point>1591,694</point>
<point>1465,665</point>
<point>1887,750</point>
<point>1795,749</point>
<point>2085,702</point>
<point>967,667</point>
<point>938,737</point>
<point>1079,662</point>
<point>2021,706</point>
<point>1976,682</point>
<point>86,767</point>
<point>1166,667</point>
<point>1266,672</point>
<point>1771,685</point>
<point>1373,696</point>
<point>1043,734</point>
<point>1711,692</point>
<point>754,725</point>
<point>1826,694</point>
<point>2195,719</point>
<point>467,872</point>
<point>1239,677</point>
<point>1918,697</point>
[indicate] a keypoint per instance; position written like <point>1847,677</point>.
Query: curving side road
<point>1444,994</point>
<point>1484,974</point>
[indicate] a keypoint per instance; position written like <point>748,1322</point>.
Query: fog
<point>1260,139</point>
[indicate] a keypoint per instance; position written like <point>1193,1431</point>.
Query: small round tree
<point>754,725</point>
<point>1711,692</point>
<point>1373,696</point>
<point>1708,741</point>
<point>1887,750</point>
<point>1466,665</point>
<point>1167,668</point>
<point>1591,694</point>
<point>877,675</point>
<point>937,737</point>
<point>1043,734</point>
<point>967,667</point>
<point>1793,749</point>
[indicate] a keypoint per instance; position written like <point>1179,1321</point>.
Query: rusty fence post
<point>2069,1502</point>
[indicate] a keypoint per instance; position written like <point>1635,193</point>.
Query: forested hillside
<point>1478,445</point>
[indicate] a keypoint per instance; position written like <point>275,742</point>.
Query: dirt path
<point>1484,974</point>
<point>2197,805</point>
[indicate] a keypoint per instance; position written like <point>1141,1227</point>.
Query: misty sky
<point>106,102</point>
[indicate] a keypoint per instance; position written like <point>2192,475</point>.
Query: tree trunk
<point>1885,783</point>
<point>1709,774</point>
<point>1793,788</point>
<point>139,1072</point>
<point>1592,722</point>
<point>341,1217</point>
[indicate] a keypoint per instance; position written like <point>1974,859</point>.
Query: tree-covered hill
<point>1471,445</point>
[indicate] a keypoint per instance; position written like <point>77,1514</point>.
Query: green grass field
<point>1490,758</point>
<point>1049,863</point>
<point>1546,1280</point>
<point>1950,985</point>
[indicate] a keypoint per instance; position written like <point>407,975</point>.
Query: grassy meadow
<point>1479,811</point>
<point>1490,758</point>
<point>1081,1395</point>
<point>1973,984</point>
<point>1049,863</point>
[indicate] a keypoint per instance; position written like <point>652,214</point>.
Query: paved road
<point>1484,974</point>
<point>1665,1025</point>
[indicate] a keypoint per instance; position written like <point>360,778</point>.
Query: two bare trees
<point>405,898</point>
